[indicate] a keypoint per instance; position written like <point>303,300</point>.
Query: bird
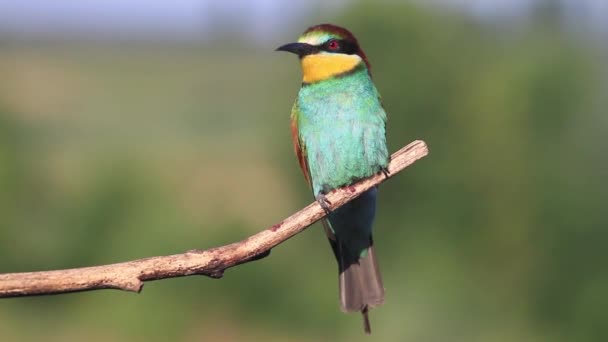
<point>338,128</point>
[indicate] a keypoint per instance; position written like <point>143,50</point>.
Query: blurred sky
<point>259,19</point>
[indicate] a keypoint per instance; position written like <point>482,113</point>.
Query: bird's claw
<point>324,203</point>
<point>386,172</point>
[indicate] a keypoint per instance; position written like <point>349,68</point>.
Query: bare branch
<point>130,275</point>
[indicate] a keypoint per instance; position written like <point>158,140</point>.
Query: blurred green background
<point>119,147</point>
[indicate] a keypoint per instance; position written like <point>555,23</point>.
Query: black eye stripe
<point>345,46</point>
<point>349,47</point>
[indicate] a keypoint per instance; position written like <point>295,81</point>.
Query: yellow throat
<point>320,67</point>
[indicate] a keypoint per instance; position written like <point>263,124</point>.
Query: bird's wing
<point>298,144</point>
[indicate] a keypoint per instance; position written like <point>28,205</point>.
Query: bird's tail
<point>349,232</point>
<point>360,282</point>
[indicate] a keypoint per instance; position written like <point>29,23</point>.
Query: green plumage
<point>341,123</point>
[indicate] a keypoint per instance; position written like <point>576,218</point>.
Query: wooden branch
<point>130,275</point>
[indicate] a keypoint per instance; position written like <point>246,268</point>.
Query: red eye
<point>333,45</point>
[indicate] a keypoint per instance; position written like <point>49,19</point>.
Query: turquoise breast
<point>341,123</point>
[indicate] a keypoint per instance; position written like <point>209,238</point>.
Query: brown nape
<point>343,34</point>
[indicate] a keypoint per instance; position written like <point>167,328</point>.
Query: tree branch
<point>130,275</point>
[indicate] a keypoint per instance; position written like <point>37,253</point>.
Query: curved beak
<point>300,49</point>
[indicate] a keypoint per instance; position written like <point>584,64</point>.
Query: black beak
<point>300,49</point>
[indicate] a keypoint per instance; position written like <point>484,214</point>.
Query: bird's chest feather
<point>342,124</point>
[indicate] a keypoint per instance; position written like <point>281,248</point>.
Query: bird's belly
<point>342,151</point>
<point>342,126</point>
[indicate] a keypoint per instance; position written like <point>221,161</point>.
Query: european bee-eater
<point>338,130</point>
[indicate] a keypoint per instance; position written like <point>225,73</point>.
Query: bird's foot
<point>386,172</point>
<point>324,203</point>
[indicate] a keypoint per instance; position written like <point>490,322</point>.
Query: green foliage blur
<point>116,151</point>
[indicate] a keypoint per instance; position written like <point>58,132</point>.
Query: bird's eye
<point>333,45</point>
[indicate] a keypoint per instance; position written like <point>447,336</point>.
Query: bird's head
<point>327,51</point>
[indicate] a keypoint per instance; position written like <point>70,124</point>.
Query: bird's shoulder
<point>298,143</point>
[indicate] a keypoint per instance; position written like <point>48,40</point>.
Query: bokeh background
<point>138,128</point>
